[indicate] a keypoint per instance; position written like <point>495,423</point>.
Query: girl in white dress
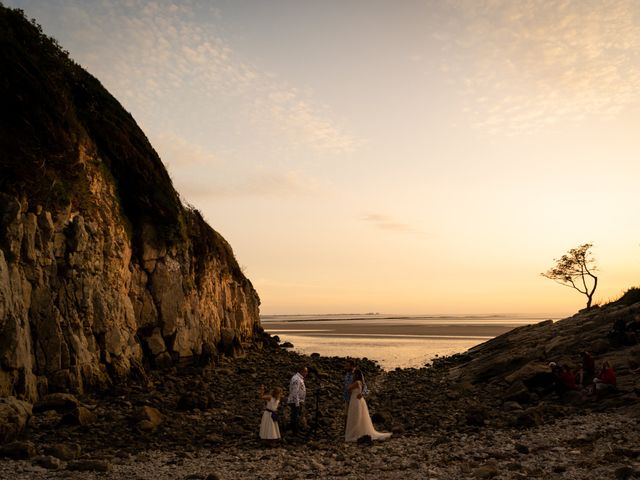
<point>269,429</point>
<point>358,420</point>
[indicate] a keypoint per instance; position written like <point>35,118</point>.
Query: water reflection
<point>390,352</point>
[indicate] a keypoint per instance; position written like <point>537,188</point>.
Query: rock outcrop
<point>523,353</point>
<point>14,417</point>
<point>103,271</point>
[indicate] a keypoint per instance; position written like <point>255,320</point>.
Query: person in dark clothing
<point>588,369</point>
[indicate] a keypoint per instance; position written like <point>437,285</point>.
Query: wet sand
<point>374,328</point>
<point>393,341</point>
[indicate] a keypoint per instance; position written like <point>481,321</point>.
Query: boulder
<point>230,343</point>
<point>486,471</point>
<point>89,465</point>
<point>63,451</point>
<point>517,392</point>
<point>18,450</point>
<point>60,402</point>
<point>148,418</point>
<point>14,417</point>
<point>192,401</point>
<point>47,461</point>
<point>528,371</point>
<point>79,416</point>
<point>530,418</point>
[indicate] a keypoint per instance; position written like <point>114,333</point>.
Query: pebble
<point>432,437</point>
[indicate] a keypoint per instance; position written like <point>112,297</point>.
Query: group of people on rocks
<point>357,420</point>
<point>565,379</point>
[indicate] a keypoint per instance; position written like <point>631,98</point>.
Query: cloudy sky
<point>390,156</point>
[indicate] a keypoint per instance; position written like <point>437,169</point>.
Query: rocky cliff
<point>103,271</point>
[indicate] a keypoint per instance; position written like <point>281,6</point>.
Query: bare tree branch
<point>576,265</point>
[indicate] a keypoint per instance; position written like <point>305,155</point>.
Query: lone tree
<point>575,269</point>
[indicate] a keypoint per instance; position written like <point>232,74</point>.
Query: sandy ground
<point>388,328</point>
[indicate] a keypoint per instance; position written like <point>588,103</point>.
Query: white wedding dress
<point>358,420</point>
<point>270,430</point>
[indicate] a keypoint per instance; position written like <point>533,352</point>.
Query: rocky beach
<point>467,416</point>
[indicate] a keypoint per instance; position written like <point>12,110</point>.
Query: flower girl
<point>269,429</point>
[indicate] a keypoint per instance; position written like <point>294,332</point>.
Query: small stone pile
<point>473,415</point>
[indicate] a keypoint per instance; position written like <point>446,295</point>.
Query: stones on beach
<point>435,419</point>
<point>47,461</point>
<point>626,472</point>
<point>517,392</point>
<point>89,465</point>
<point>78,416</point>
<point>63,451</point>
<point>60,402</point>
<point>286,345</point>
<point>486,471</point>
<point>148,418</point>
<point>14,416</point>
<point>192,401</point>
<point>18,450</point>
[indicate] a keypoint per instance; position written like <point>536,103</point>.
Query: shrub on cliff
<point>51,106</point>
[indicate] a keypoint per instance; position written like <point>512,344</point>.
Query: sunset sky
<point>387,156</point>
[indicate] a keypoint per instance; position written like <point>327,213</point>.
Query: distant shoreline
<point>400,330</point>
<point>515,318</point>
<point>392,340</point>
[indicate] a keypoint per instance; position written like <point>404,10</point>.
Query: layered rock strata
<point>103,271</point>
<point>77,310</point>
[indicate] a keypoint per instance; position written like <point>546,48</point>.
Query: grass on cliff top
<point>51,105</point>
<point>629,297</point>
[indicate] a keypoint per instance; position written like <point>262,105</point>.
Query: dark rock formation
<point>517,358</point>
<point>103,271</point>
<point>506,382</point>
<point>14,417</point>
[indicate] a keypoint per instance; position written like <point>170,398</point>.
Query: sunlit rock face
<point>103,271</point>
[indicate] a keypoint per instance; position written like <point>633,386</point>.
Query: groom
<point>349,368</point>
<point>297,395</point>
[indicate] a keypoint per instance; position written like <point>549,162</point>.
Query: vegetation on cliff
<point>51,105</point>
<point>103,271</point>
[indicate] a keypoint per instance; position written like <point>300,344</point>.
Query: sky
<point>414,157</point>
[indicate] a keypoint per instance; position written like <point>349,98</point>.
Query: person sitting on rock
<point>556,378</point>
<point>567,379</point>
<point>545,382</point>
<point>269,428</point>
<point>606,380</point>
<point>588,370</point>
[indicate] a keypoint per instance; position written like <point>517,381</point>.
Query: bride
<point>358,420</point>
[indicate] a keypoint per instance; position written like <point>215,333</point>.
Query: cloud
<point>169,63</point>
<point>300,121</point>
<point>266,185</point>
<point>385,222</point>
<point>178,152</point>
<point>531,64</point>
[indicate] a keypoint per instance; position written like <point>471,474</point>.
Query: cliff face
<point>103,272</point>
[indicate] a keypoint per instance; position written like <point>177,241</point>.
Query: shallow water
<point>393,341</point>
